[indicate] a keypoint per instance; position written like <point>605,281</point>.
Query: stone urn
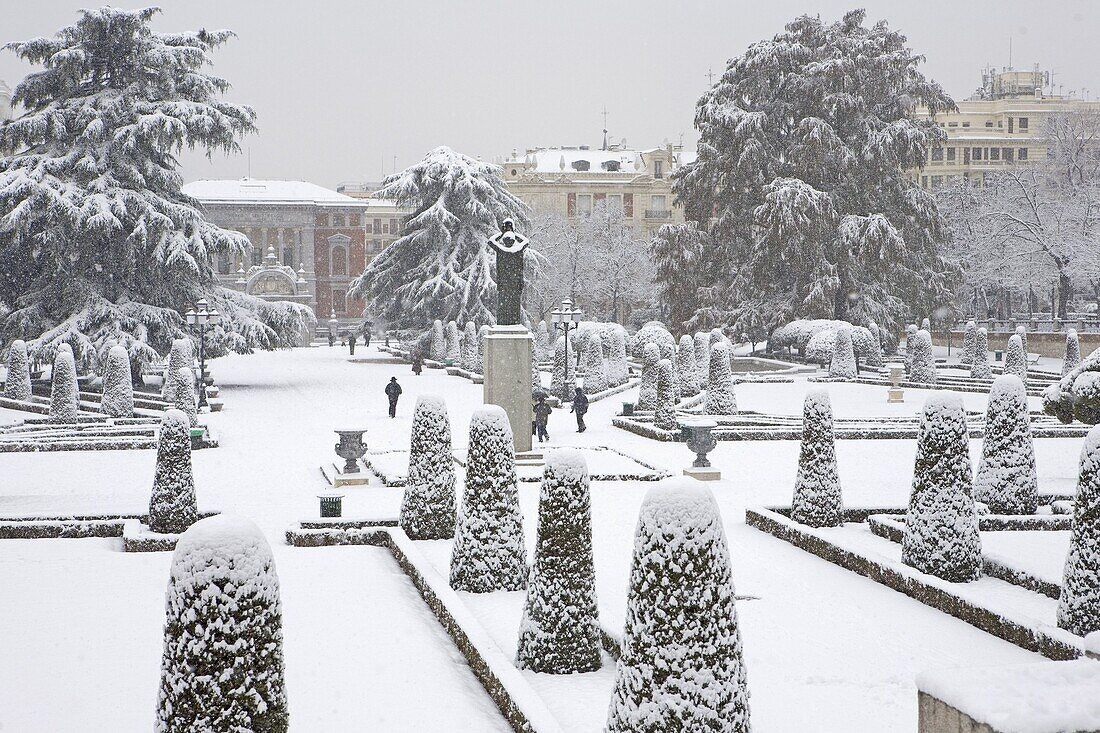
<point>699,437</point>
<point>351,448</point>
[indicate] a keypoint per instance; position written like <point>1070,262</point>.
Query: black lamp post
<point>200,319</point>
<point>566,319</point>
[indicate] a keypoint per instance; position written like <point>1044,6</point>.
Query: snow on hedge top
<point>267,192</point>
<point>224,546</point>
<point>679,502</point>
<point>493,415</point>
<point>1041,697</point>
<point>174,415</point>
<point>567,463</point>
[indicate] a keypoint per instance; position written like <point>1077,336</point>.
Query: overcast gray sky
<point>343,87</point>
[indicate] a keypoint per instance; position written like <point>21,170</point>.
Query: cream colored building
<point>5,101</point>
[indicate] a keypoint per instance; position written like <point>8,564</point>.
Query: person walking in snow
<point>393,391</point>
<point>331,339</point>
<point>542,417</point>
<point>418,363</point>
<point>351,343</point>
<point>366,333</point>
<point>580,406</point>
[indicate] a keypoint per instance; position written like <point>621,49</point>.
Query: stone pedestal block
<point>508,379</point>
<point>704,474</point>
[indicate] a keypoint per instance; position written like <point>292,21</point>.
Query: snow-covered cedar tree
<point>481,334</point>
<point>685,368</point>
<point>676,251</point>
<point>618,371</point>
<point>595,374</point>
<point>428,504</point>
<point>653,332</point>
<point>562,372</point>
<point>182,396</point>
<point>923,368</point>
<point>817,500</point>
<point>18,381</point>
<point>542,342</point>
<point>560,630</point>
<point>451,345</point>
<point>98,242</point>
<point>941,526</point>
<point>182,354</point>
<point>910,332</point>
<point>843,363</point>
<point>1072,356</point>
<point>647,388</point>
<point>1021,331</point>
<point>874,356</point>
<point>64,391</point>
<point>437,347</point>
<point>979,367</point>
<point>488,552</point>
<point>118,385</point>
<point>969,341</point>
<point>720,398</point>
<point>1016,358</point>
<point>668,351</point>
<point>702,359</point>
<point>664,416</point>
<point>1006,481</point>
<point>172,505</point>
<point>222,667</point>
<point>440,267</point>
<point>1079,604</point>
<point>469,347</point>
<point>681,666</point>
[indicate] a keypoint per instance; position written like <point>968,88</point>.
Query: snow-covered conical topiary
<point>817,499</point>
<point>64,390</point>
<point>437,344</point>
<point>681,667</point>
<point>542,342</point>
<point>1006,481</point>
<point>558,385</point>
<point>118,384</point>
<point>668,351</point>
<point>969,341</point>
<point>479,367</point>
<point>172,505</point>
<point>451,344</point>
<point>922,370</point>
<point>926,325</point>
<point>181,355</point>
<point>910,332</point>
<point>560,631</point>
<point>941,526</point>
<point>428,504</point>
<point>222,667</point>
<point>18,382</point>
<point>1016,358</point>
<point>1073,352</point>
<point>686,369</point>
<point>469,347</point>
<point>702,359</point>
<point>1079,604</point>
<point>595,375</point>
<point>664,416</point>
<point>720,398</point>
<point>1021,331</point>
<point>182,393</point>
<point>843,364</point>
<point>647,388</point>
<point>618,371</point>
<point>874,357</point>
<point>979,368</point>
<point>488,552</point>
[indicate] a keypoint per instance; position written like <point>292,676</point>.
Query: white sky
<point>343,87</point>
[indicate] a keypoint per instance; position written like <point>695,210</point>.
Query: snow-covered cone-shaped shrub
<point>969,341</point>
<point>685,368</point>
<point>479,367</point>
<point>437,345</point>
<point>1006,481</point>
<point>18,384</point>
<point>451,345</point>
<point>536,375</point>
<point>469,347</point>
<point>560,631</point>
<point>618,371</point>
<point>647,388</point>
<point>118,385</point>
<point>843,364</point>
<point>664,416</point>
<point>428,504</point>
<point>910,332</point>
<point>182,393</point>
<point>874,356</point>
<point>172,506</point>
<point>926,325</point>
<point>1021,331</point>
<point>595,375</point>
<point>979,368</point>
<point>941,526</point>
<point>558,384</point>
<point>181,355</point>
<point>702,359</point>
<point>488,552</point>
<point>1016,358</point>
<point>222,668</point>
<point>681,667</point>
<point>923,368</point>
<point>64,392</point>
<point>1079,604</point>
<point>542,342</point>
<point>720,398</point>
<point>817,500</point>
<point>1073,352</point>
<point>668,351</point>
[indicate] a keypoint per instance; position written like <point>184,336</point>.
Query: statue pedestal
<point>508,379</point>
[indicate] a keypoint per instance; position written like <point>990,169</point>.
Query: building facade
<point>5,101</point>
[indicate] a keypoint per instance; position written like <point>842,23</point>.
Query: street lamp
<point>200,319</point>
<point>566,319</point>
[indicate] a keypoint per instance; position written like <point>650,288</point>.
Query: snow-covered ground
<point>825,649</point>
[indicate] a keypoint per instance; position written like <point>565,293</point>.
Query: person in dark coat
<point>580,406</point>
<point>418,363</point>
<point>366,334</point>
<point>542,417</point>
<point>331,339</point>
<point>351,343</point>
<point>393,391</point>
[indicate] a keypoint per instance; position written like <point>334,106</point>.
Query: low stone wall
<point>936,716</point>
<point>1052,344</point>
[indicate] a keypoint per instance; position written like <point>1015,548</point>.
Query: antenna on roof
<point>710,76</point>
<point>604,127</point>
<point>1010,53</point>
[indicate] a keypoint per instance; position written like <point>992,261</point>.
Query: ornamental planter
<point>351,448</point>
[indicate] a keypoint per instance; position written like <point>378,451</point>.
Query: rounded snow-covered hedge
<point>618,370</point>
<point>653,332</point>
<point>595,375</point>
<point>437,344</point>
<point>1006,481</point>
<point>17,385</point>
<point>720,398</point>
<point>1072,355</point>
<point>181,393</point>
<point>64,392</point>
<point>817,498</point>
<point>1016,358</point>
<point>799,334</point>
<point>428,504</point>
<point>172,506</point>
<point>647,388</point>
<point>118,384</point>
<point>702,359</point>
<point>969,342</point>
<point>469,347</point>
<point>1077,394</point>
<point>451,344</point>
<point>687,371</point>
<point>842,365</point>
<point>1079,604</point>
<point>664,416</point>
<point>182,354</point>
<point>922,367</point>
<point>979,366</point>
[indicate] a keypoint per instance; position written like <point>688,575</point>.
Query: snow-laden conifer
<point>428,504</point>
<point>664,416</point>
<point>558,384</point>
<point>172,505</point>
<point>681,667</point>
<point>452,346</point>
<point>542,342</point>
<point>480,365</point>
<point>182,354</point>
<point>1072,355</point>
<point>18,381</point>
<point>182,393</point>
<point>941,526</point>
<point>118,385</point>
<point>595,374</point>
<point>1016,358</point>
<point>1079,604</point>
<point>1006,481</point>
<point>488,552</point>
<point>979,368</point>
<point>437,344</point>
<point>560,631</point>
<point>64,390</point>
<point>685,368</point>
<point>817,498</point>
<point>923,368</point>
<point>222,668</point>
<point>843,363</point>
<point>618,371</point>
<point>702,358</point>
<point>720,398</point>
<point>969,343</point>
<point>647,387</point>
<point>469,347</point>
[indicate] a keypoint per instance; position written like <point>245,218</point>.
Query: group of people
<point>543,410</point>
<point>364,331</point>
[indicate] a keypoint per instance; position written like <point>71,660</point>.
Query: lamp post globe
<point>565,319</point>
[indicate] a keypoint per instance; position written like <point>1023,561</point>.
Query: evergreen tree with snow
<point>702,358</point>
<point>923,368</point>
<point>1079,603</point>
<point>618,370</point>
<point>118,385</point>
<point>979,368</point>
<point>452,347</point>
<point>647,387</point>
<point>182,354</point>
<point>182,394</point>
<point>720,398</point>
<point>64,390</point>
<point>98,242</point>
<point>1016,358</point>
<point>1072,356</point>
<point>843,363</point>
<point>677,251</point>
<point>481,334</point>
<point>817,500</point>
<point>428,504</point>
<point>682,667</point>
<point>560,630</point>
<point>17,385</point>
<point>441,266</point>
<point>595,375</point>
<point>969,343</point>
<point>469,347</point>
<point>488,552</point>
<point>664,415</point>
<point>563,378</point>
<point>172,506</point>
<point>222,668</point>
<point>1006,480</point>
<point>542,342</point>
<point>685,368</point>
<point>941,526</point>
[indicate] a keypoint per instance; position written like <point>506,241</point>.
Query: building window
<point>989,123</point>
<point>354,220</point>
<point>937,154</point>
<point>1007,154</point>
<point>1022,155</point>
<point>395,226</point>
<point>924,181</point>
<point>994,153</point>
<point>223,263</point>
<point>257,256</point>
<point>1010,119</point>
<point>288,256</point>
<point>658,169</point>
<point>966,124</point>
<point>584,204</point>
<point>937,181</point>
<point>377,226</point>
<point>951,154</point>
<point>614,201</point>
<point>339,301</point>
<point>952,124</point>
<point>1023,124</point>
<point>657,203</point>
<point>338,220</point>
<point>976,153</point>
<point>339,261</point>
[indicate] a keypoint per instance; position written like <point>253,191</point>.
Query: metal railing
<point>658,214</point>
<point>1083,324</point>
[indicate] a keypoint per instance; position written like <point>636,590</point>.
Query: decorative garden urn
<point>351,448</point>
<point>700,440</point>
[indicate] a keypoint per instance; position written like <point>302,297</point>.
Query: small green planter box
<point>628,409</point>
